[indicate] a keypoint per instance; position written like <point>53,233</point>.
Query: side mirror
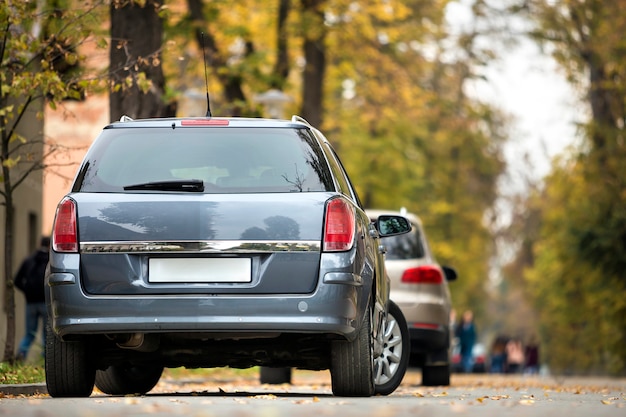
<point>450,273</point>
<point>390,225</point>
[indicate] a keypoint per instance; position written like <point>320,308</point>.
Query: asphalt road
<point>310,395</point>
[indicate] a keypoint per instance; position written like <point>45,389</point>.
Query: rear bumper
<point>335,307</point>
<point>426,340</point>
<point>427,318</point>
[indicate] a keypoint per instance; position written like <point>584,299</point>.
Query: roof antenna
<point>206,78</point>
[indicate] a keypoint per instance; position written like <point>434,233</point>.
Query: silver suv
<point>419,286</point>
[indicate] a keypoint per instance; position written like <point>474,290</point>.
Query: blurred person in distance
<point>498,355</point>
<point>30,280</point>
<point>466,334</point>
<point>531,353</point>
<point>514,356</point>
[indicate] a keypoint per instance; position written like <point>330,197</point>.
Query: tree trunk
<point>315,57</point>
<point>281,68</point>
<point>9,293</point>
<point>136,39</point>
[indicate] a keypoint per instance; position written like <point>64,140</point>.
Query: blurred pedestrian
<point>514,356</point>
<point>531,353</point>
<point>466,334</point>
<point>30,280</point>
<point>498,355</point>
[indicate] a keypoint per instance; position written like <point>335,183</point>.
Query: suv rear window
<point>227,160</point>
<point>407,246</point>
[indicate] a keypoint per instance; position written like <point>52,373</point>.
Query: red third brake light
<point>204,122</point>
<point>64,235</point>
<point>426,274</point>
<point>339,226</point>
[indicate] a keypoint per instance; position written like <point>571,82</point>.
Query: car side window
<point>353,192</point>
<point>342,178</point>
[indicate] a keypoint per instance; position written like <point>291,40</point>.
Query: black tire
<point>69,372</point>
<point>352,363</point>
<point>275,375</point>
<point>436,375</point>
<point>128,379</point>
<point>391,365</point>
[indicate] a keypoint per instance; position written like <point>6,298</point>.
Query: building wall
<point>28,199</point>
<point>75,126</point>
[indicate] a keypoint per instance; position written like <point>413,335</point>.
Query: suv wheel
<point>128,379</point>
<point>352,363</point>
<point>392,364</point>
<point>69,372</point>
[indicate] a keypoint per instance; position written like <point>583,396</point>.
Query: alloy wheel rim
<point>388,363</point>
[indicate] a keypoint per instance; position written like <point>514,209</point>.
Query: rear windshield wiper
<point>171,185</point>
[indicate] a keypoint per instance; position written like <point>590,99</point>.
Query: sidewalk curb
<point>23,389</point>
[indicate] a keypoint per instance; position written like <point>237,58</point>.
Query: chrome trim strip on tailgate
<point>236,246</point>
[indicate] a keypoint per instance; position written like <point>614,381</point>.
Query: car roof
<point>184,122</point>
<point>414,218</point>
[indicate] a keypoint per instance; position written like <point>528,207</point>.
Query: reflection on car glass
<point>403,247</point>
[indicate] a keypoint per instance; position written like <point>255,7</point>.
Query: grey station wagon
<point>210,242</point>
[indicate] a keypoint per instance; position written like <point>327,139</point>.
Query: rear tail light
<point>64,235</point>
<point>427,274</point>
<point>339,226</point>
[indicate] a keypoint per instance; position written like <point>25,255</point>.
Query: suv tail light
<point>427,274</point>
<point>64,235</point>
<point>339,226</point>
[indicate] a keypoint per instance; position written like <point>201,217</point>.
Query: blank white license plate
<point>200,270</point>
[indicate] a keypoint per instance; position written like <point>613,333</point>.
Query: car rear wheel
<point>352,363</point>
<point>392,364</point>
<point>128,379</point>
<point>69,372</point>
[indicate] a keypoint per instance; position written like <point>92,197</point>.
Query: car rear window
<point>407,246</point>
<point>226,160</point>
